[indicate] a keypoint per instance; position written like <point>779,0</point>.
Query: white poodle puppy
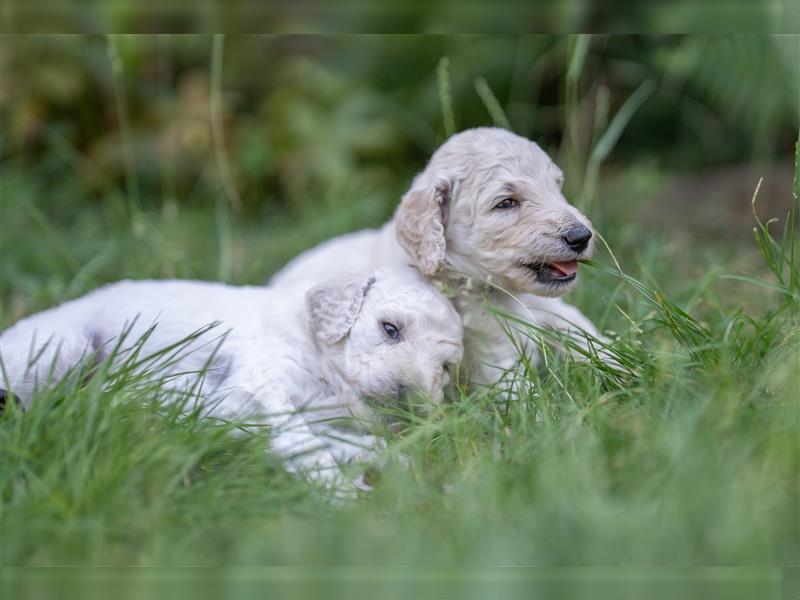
<point>308,363</point>
<point>488,221</point>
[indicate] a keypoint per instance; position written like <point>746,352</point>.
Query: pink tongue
<point>566,268</point>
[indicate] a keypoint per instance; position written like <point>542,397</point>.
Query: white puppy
<point>293,358</point>
<point>487,219</point>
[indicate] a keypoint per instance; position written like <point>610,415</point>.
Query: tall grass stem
<point>446,96</point>
<point>217,127</point>
<point>121,101</point>
<point>491,103</point>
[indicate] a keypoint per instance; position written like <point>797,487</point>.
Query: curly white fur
<point>299,361</point>
<point>447,225</point>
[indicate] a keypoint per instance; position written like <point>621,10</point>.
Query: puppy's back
<point>173,310</point>
<point>361,251</point>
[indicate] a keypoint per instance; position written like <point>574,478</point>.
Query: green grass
<point>691,458</point>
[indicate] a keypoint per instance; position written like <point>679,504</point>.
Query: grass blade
<point>446,96</point>
<point>491,103</point>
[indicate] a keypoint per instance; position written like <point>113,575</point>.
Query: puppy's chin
<point>394,406</point>
<point>549,290</point>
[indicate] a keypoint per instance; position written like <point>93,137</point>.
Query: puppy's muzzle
<point>416,399</point>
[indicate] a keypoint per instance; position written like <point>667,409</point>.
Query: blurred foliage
<point>302,114</point>
<point>399,16</point>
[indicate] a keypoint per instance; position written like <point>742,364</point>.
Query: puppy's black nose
<point>578,238</point>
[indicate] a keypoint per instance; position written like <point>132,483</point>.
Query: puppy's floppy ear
<point>333,307</point>
<point>420,224</point>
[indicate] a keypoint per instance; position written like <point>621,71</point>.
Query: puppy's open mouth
<point>555,272</point>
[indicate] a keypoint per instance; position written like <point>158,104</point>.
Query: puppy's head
<point>489,206</point>
<point>389,335</point>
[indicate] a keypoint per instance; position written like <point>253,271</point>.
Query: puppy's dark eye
<point>506,203</point>
<point>391,330</point>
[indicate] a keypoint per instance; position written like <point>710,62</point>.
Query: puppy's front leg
<point>368,452</point>
<point>291,436</point>
<point>556,314</point>
<point>318,457</point>
<point>352,448</point>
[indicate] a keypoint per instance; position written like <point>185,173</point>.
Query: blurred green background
<point>172,143</point>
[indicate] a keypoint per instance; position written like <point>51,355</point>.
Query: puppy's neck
<point>456,285</point>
